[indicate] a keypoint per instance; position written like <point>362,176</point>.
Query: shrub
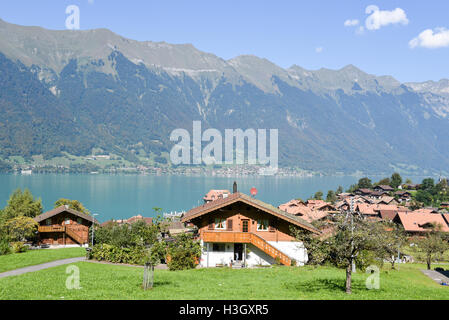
<point>18,247</point>
<point>110,253</point>
<point>183,253</point>
<point>5,248</point>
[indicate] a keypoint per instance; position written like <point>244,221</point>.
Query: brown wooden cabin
<point>239,220</point>
<point>64,226</point>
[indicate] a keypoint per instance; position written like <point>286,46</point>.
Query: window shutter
<point>211,224</point>
<point>229,223</point>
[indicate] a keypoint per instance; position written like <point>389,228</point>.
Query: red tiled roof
<point>388,214</point>
<point>213,195</point>
<point>416,222</point>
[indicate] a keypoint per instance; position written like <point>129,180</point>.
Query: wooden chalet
<point>241,230</point>
<point>64,226</point>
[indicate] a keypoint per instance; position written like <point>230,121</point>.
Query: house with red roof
<point>241,230</point>
<point>419,222</point>
<point>213,195</point>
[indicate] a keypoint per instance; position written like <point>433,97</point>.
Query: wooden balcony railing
<point>72,234</point>
<point>246,237</point>
<point>66,229</point>
<point>55,228</point>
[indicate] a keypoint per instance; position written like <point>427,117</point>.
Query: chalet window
<point>220,224</point>
<point>67,221</point>
<point>245,225</point>
<point>229,222</point>
<point>262,225</point>
<point>218,247</point>
<point>48,222</point>
<point>79,220</point>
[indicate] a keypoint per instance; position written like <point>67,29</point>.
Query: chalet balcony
<point>226,237</point>
<point>246,237</point>
<point>54,228</point>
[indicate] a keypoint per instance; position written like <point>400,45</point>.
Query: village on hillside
<point>366,226</point>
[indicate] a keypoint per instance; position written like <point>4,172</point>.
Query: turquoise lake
<point>123,196</point>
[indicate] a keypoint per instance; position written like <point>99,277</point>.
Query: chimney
<point>234,187</point>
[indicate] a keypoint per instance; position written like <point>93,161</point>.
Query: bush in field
<point>18,247</point>
<point>132,255</point>
<point>124,243</point>
<point>139,233</point>
<point>183,253</point>
<point>5,248</point>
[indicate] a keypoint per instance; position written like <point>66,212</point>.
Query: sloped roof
<point>415,221</point>
<point>366,209</point>
<point>240,197</point>
<point>384,187</point>
<point>62,209</point>
<point>388,214</point>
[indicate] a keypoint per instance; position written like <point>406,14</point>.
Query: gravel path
<point>40,267</point>
<point>436,276</point>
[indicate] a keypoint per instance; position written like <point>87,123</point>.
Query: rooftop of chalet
<point>62,209</point>
<point>258,204</point>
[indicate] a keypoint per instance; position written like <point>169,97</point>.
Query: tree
<point>427,184</point>
<point>350,237</point>
<point>408,181</point>
<point>424,197</point>
<point>339,190</point>
<point>318,195</point>
<point>155,253</point>
<point>391,237</point>
<point>365,183</point>
<point>384,182</point>
<point>22,204</point>
<point>415,205</point>
<point>20,228</point>
<point>396,180</point>
<point>331,197</point>
<point>73,204</point>
<point>432,245</point>
<point>353,235</point>
<point>318,250</point>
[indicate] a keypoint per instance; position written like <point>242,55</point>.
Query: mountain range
<point>72,91</point>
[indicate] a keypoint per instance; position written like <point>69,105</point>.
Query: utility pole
<point>93,228</point>
<point>354,270</point>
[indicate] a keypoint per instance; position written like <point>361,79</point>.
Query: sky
<point>406,39</point>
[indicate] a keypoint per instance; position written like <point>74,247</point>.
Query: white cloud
<point>319,49</point>
<point>431,39</point>
<point>351,23</point>
<point>381,18</point>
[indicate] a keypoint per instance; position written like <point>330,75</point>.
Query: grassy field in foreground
<point>100,281</point>
<point>34,257</point>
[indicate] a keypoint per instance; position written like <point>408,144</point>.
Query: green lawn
<point>33,257</point>
<point>101,281</point>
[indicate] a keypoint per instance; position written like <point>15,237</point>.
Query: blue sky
<point>310,34</point>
